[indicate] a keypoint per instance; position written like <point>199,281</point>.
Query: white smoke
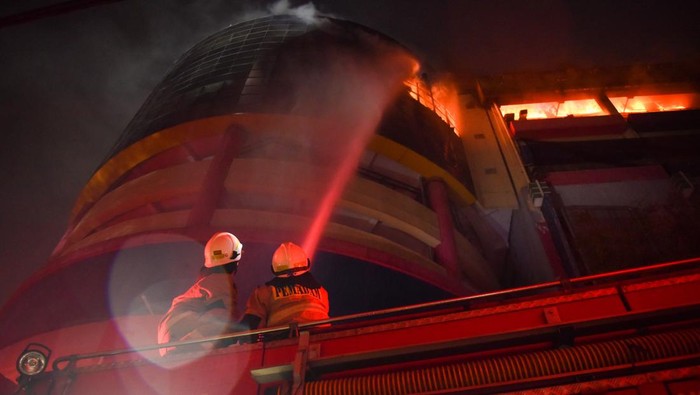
<point>306,12</point>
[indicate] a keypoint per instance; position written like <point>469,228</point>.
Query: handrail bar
<point>564,284</point>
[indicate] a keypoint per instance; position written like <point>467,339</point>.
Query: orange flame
<point>590,107</point>
<point>583,107</point>
<point>654,103</point>
<point>441,97</point>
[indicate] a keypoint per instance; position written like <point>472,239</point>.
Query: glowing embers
<point>655,103</point>
<point>554,109</point>
<point>432,98</point>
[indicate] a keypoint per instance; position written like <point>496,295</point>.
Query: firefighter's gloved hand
<point>231,329</point>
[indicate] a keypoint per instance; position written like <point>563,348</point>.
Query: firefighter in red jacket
<point>293,295</point>
<point>208,307</point>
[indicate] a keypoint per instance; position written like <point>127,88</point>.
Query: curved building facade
<point>273,129</point>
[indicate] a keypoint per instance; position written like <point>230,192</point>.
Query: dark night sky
<point>70,83</point>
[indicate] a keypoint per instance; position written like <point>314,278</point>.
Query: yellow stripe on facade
<point>420,165</point>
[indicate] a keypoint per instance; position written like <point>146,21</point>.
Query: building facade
<point>611,160</point>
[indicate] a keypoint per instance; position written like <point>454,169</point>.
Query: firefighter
<point>292,296</point>
<point>208,307</point>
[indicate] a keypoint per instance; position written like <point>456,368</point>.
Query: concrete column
<point>446,251</point>
<point>213,183</point>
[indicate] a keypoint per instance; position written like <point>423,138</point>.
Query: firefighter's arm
<point>207,300</point>
<point>249,322</point>
<point>257,304</point>
<point>182,317</point>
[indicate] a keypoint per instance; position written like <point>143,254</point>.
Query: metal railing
<point>401,312</point>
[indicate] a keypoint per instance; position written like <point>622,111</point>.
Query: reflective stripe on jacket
<point>205,309</point>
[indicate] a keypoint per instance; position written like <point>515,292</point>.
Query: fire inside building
<point>523,232</point>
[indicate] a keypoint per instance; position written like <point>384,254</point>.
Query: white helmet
<point>222,248</point>
<point>290,260</point>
